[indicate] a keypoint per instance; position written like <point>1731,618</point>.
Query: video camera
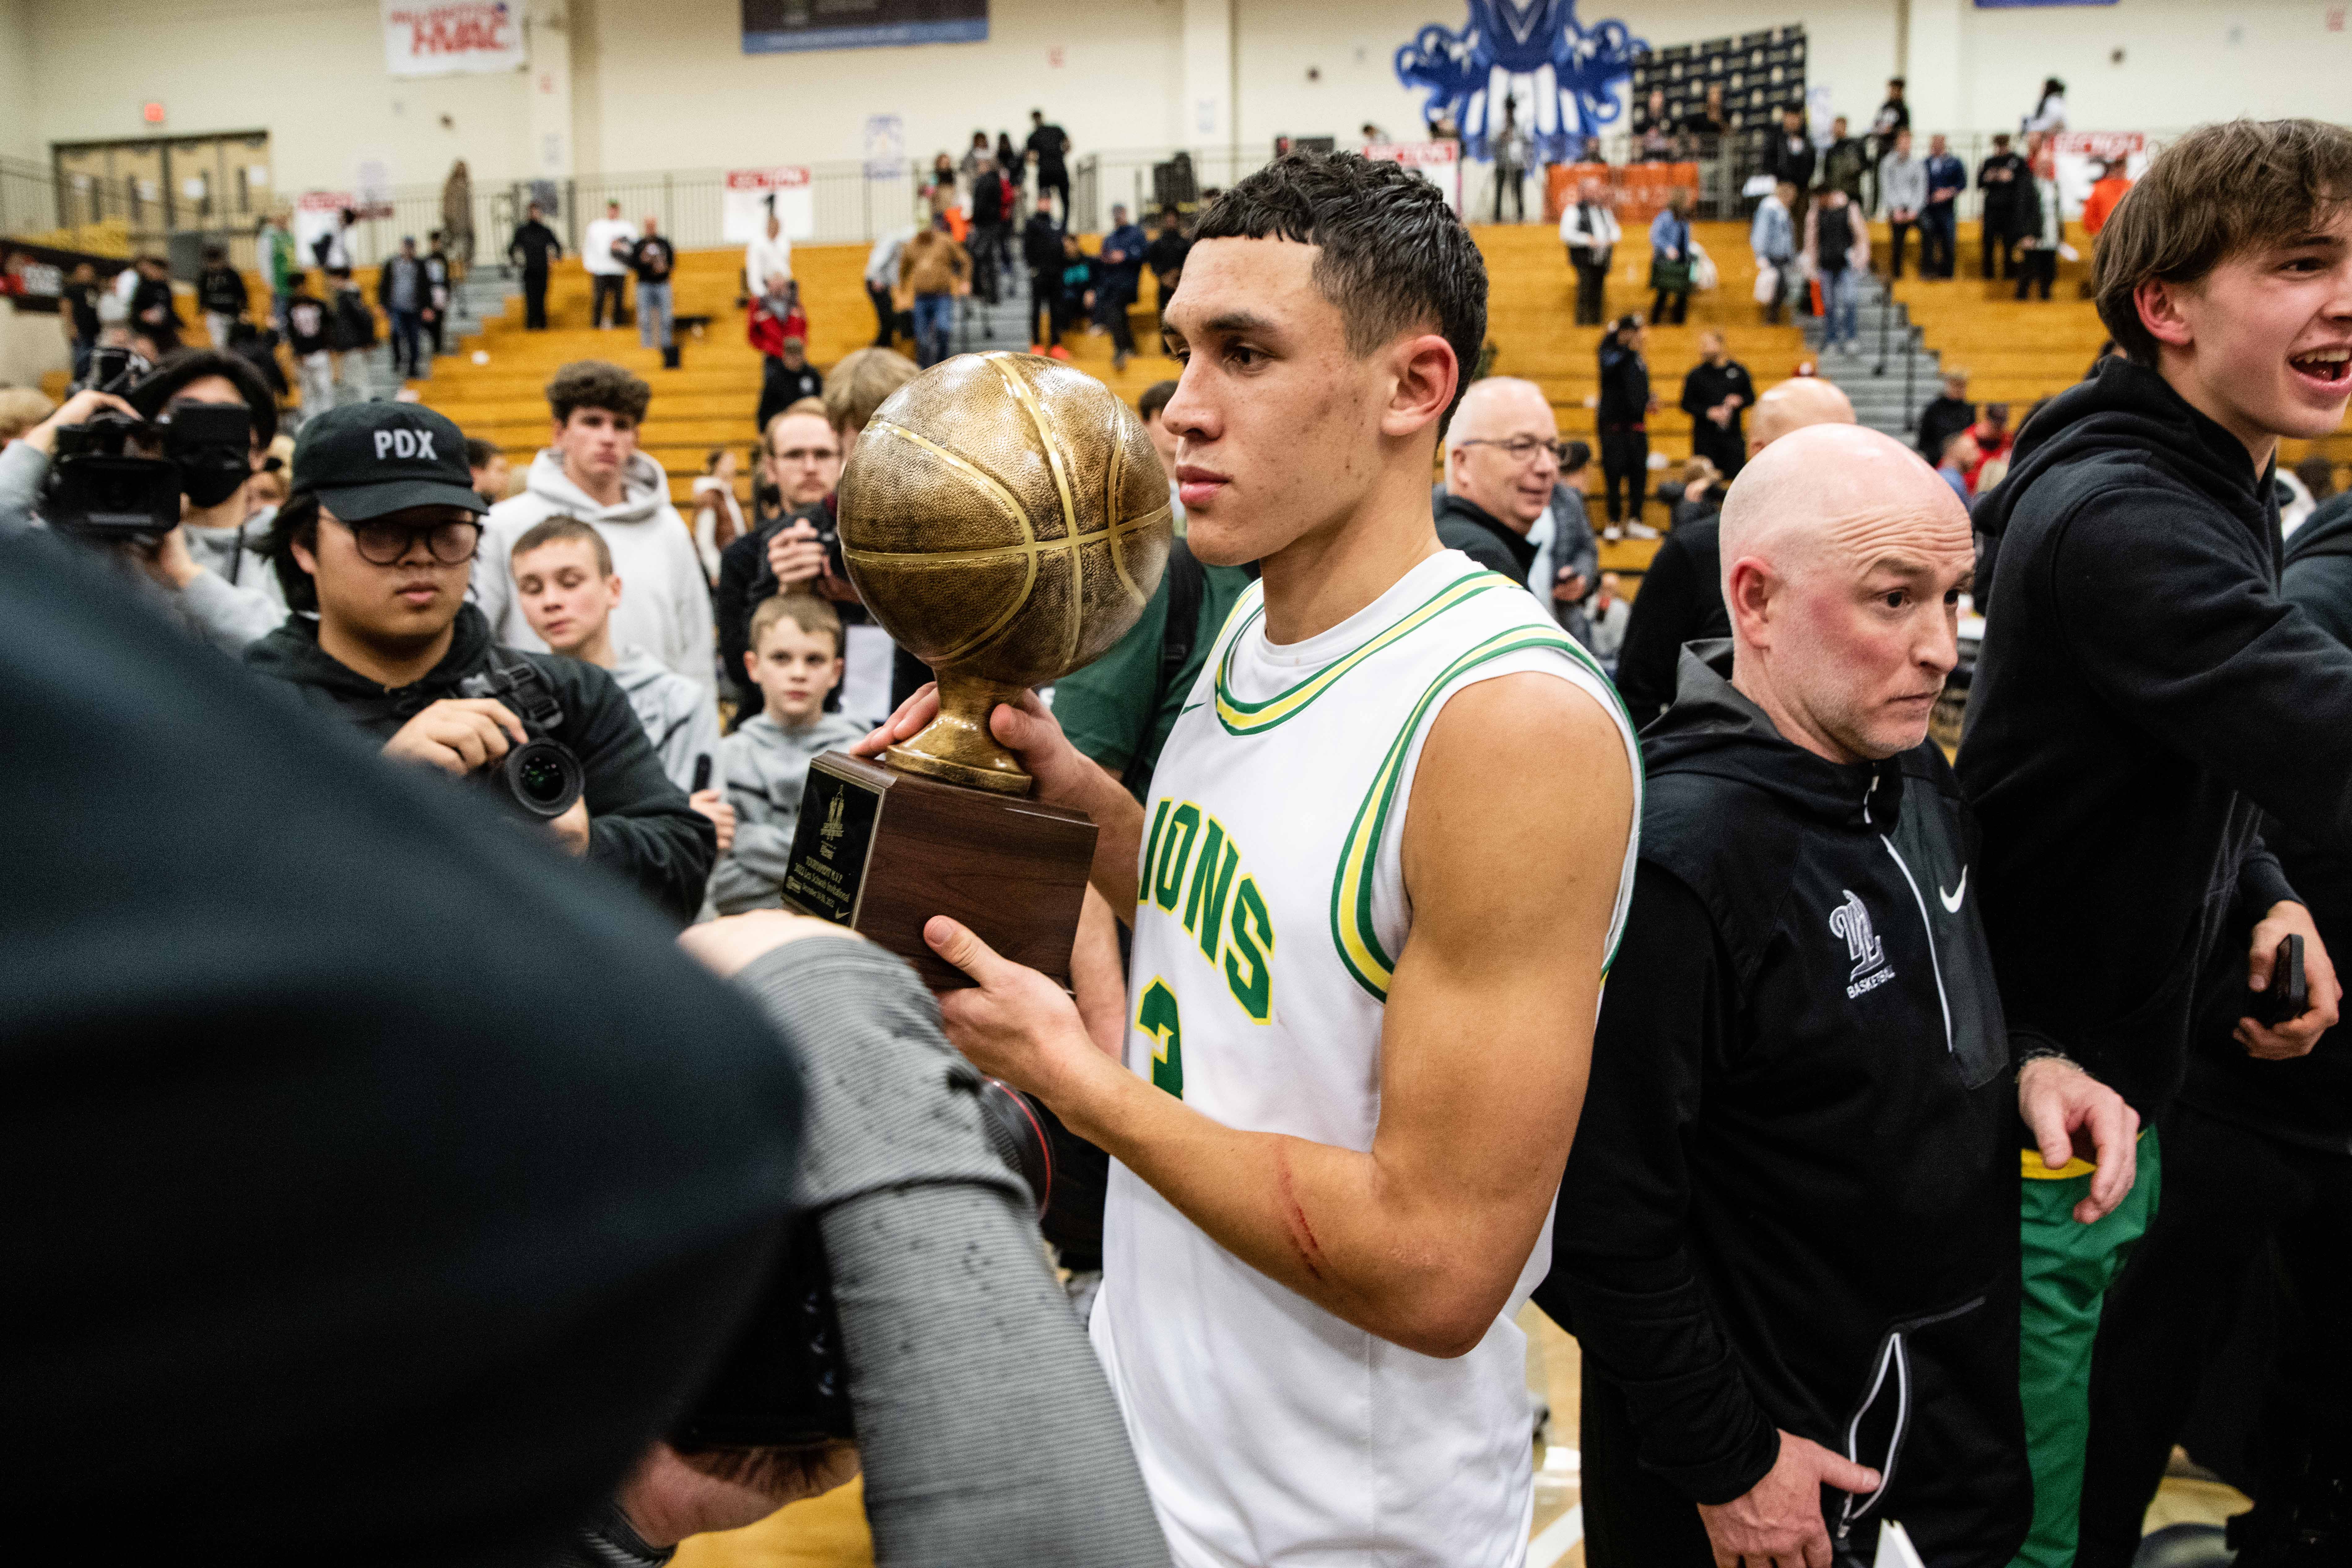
<point>784,1384</point>
<point>116,477</point>
<point>541,777</point>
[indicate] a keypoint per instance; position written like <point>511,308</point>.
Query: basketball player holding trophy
<point>1373,894</point>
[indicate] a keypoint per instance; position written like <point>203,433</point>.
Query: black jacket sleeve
<point>639,824</point>
<point>731,603</point>
<point>1622,1280</point>
<point>2261,882</point>
<point>1662,614</point>
<point>1479,545</point>
<point>2321,585</point>
<point>2178,632</point>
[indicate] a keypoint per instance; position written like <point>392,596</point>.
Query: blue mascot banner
<point>1509,49</point>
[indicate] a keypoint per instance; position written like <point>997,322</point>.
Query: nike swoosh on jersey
<point>1958,896</point>
<point>1190,706</point>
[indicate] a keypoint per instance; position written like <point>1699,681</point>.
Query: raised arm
<point>1420,1238</point>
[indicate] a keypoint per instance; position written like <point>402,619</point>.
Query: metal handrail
<point>1913,340</point>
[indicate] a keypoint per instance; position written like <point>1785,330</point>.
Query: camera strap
<point>519,682</point>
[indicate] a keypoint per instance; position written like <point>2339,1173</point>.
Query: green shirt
<point>1106,709</point>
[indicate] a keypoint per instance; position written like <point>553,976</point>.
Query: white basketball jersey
<point>1273,908</point>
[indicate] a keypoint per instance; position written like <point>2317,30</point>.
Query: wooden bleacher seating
<point>708,402</point>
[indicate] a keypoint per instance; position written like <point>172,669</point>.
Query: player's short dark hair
<point>555,531</point>
<point>597,384</point>
<point>478,452</point>
<point>1394,256</point>
<point>2222,189</point>
<point>182,366</point>
<point>1155,398</point>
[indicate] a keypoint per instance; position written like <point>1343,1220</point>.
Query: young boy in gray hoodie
<point>794,660</point>
<point>566,589</point>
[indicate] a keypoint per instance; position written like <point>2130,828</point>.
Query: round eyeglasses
<point>384,543</point>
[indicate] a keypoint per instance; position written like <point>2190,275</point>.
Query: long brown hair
<point>2219,191</point>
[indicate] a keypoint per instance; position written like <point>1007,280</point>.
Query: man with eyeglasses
<point>805,459</point>
<point>377,539</point>
<point>1502,463</point>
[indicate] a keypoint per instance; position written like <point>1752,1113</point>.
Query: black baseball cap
<point>368,459</point>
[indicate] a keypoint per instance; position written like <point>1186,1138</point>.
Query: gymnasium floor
<point>830,1532</point>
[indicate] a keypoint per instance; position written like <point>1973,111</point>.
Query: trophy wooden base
<point>882,851</point>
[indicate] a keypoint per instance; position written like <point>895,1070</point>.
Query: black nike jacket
<point>2143,693</point>
<point>1792,1203</point>
<point>639,825</point>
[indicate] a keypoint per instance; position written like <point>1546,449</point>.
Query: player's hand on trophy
<point>1065,776</point>
<point>1015,1023</point>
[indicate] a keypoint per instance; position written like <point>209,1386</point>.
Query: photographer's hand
<point>75,410</point>
<point>570,829</point>
<point>794,556</point>
<point>670,1495</point>
<point>165,558</point>
<point>457,734</point>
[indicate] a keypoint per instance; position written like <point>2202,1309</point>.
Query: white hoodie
<point>665,605</point>
<point>680,718</point>
<point>596,245</point>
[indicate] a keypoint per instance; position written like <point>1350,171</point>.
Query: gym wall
<point>665,84</point>
<point>20,131</point>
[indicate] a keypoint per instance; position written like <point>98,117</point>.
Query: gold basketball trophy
<point>1004,519</point>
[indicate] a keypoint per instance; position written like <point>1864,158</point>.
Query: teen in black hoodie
<point>2257,1181</point>
<point>2144,693</point>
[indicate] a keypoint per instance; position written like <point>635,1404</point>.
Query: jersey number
<point>1157,1018</point>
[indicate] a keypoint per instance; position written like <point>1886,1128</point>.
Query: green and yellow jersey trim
<point>1361,951</point>
<point>1240,718</point>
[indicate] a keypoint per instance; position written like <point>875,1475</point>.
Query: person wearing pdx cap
<point>375,547</point>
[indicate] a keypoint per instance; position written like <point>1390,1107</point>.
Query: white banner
<point>744,205</point>
<point>2075,157</point>
<point>452,37</point>
<point>1439,163</point>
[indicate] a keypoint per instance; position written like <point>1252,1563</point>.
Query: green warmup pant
<point>2067,1270</point>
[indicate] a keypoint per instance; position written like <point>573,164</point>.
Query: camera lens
<point>543,777</point>
<point>540,778</point>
